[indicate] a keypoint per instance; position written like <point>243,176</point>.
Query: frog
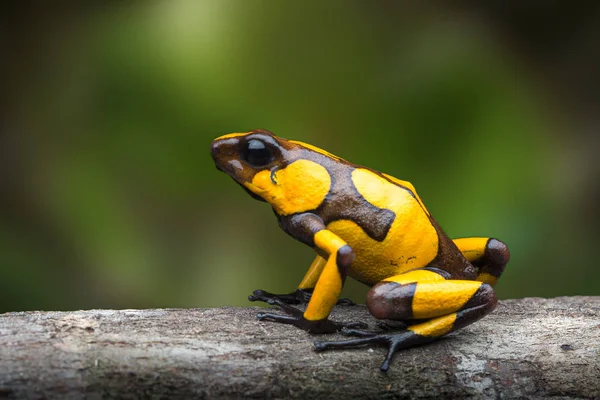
<point>369,226</point>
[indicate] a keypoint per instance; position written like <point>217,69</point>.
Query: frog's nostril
<point>215,152</point>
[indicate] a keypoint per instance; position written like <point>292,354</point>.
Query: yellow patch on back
<point>411,242</point>
<point>299,187</point>
<point>410,187</point>
<point>435,327</point>
<point>432,299</point>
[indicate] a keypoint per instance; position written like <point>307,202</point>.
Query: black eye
<point>257,153</point>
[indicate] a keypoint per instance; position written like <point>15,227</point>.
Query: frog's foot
<point>299,296</point>
<point>296,318</point>
<point>393,341</point>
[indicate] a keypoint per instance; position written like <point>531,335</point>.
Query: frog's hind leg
<point>489,255</point>
<point>441,306</point>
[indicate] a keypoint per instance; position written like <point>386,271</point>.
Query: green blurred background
<point>109,197</point>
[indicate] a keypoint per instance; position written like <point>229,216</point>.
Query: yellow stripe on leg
<point>328,241</point>
<point>421,275</point>
<point>329,284</point>
<point>313,273</point>
<point>435,327</point>
<point>326,292</point>
<point>473,248</point>
<point>487,278</point>
<point>432,299</point>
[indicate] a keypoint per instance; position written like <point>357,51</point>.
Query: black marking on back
<point>344,202</point>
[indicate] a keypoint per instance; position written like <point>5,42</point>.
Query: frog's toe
<point>345,326</point>
<point>345,302</point>
<point>284,319</point>
<point>348,343</point>
<point>258,295</point>
<point>299,296</point>
<point>357,332</point>
<point>261,295</point>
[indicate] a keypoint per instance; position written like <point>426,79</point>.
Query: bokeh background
<point>109,197</point>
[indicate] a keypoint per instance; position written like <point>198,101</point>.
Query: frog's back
<point>387,226</point>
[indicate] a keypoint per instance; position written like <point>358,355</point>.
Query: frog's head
<point>285,173</point>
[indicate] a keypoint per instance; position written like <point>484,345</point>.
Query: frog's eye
<point>257,154</point>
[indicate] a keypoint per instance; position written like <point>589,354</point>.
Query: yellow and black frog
<point>372,227</point>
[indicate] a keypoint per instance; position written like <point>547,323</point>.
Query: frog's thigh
<point>424,294</point>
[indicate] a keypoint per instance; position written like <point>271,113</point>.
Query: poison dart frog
<point>372,227</point>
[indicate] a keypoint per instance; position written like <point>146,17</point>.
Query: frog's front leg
<point>327,275</point>
<point>437,305</point>
<point>305,289</point>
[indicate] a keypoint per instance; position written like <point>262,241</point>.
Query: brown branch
<point>529,348</point>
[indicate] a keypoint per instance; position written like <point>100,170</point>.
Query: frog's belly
<point>405,248</point>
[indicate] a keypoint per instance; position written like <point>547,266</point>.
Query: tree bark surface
<point>528,348</point>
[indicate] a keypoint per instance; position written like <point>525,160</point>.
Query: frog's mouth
<point>233,176</point>
<point>251,193</point>
<point>227,169</point>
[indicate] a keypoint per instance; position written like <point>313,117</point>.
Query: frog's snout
<point>218,152</point>
<point>225,155</point>
<point>214,152</point>
<point>214,149</point>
